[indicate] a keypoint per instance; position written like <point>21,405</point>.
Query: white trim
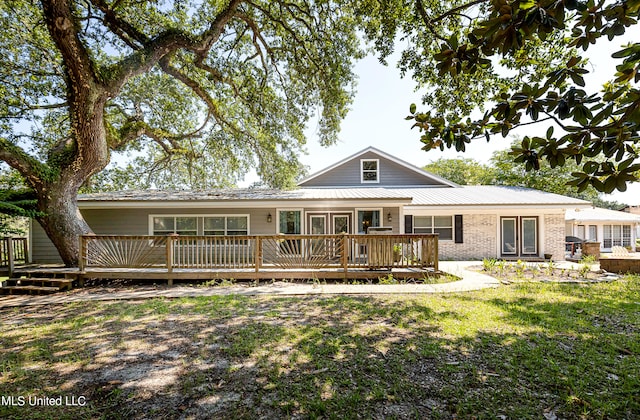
<point>387,156</point>
<point>364,181</point>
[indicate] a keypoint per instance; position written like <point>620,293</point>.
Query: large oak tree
<point>234,80</point>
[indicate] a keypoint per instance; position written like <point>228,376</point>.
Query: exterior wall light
<point>269,218</point>
<point>389,217</point>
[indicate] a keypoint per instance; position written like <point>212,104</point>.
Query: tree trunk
<point>63,222</point>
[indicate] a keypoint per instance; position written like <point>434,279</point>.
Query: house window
<point>442,225</point>
<point>616,235</point>
<point>226,225</point>
<point>165,225</point>
<point>370,170</point>
<point>593,233</point>
<point>367,219</point>
<point>199,225</point>
<point>581,232</point>
<point>290,222</point>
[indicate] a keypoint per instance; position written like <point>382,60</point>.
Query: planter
<point>591,248</point>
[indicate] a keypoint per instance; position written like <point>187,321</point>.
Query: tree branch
<point>200,92</point>
<point>453,11</point>
<point>123,29</point>
<point>63,28</point>
<point>427,21</point>
<point>167,42</point>
<point>29,167</point>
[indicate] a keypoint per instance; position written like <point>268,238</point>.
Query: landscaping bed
<point>587,270</point>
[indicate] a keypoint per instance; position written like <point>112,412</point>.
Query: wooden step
<point>34,286</point>
<point>61,284</point>
<point>28,290</point>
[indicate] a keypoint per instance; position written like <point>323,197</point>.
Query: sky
<point>382,102</point>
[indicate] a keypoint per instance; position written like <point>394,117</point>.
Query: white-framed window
<point>199,224</point>
<point>226,225</point>
<point>290,221</point>
<point>368,218</point>
<point>182,225</point>
<point>370,171</point>
<point>593,233</point>
<point>616,235</point>
<point>442,225</point>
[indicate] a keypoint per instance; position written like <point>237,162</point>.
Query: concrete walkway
<point>469,280</point>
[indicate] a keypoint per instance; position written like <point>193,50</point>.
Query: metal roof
<point>246,194</point>
<point>601,215</point>
<point>428,197</point>
<point>486,195</point>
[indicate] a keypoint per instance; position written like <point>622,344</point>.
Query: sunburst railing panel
<point>125,251</point>
<point>302,251</point>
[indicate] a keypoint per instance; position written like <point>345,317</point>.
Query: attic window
<point>369,170</point>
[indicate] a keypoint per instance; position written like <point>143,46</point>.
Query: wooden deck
<point>252,257</point>
<point>160,274</point>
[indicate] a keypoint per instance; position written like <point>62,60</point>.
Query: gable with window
<point>370,171</point>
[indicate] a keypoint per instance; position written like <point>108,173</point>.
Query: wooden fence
<point>258,252</point>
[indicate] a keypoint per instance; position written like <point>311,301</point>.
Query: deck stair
<point>35,284</point>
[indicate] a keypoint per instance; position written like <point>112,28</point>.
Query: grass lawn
<point>527,350</point>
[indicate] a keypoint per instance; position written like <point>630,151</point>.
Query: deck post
<point>10,255</point>
<point>170,258</point>
<point>257,257</point>
<point>434,241</point>
<point>83,253</point>
<point>343,252</point>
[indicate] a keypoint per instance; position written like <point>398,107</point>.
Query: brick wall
<point>620,265</point>
<point>479,236</point>
<point>481,241</point>
<point>554,233</point>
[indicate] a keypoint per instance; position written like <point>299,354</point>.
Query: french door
<point>331,223</point>
<point>519,236</point>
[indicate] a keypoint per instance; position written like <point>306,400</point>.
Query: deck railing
<point>13,250</point>
<point>288,252</point>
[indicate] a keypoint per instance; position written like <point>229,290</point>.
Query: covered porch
<point>340,256</point>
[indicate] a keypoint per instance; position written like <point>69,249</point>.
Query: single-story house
<point>609,227</point>
<point>368,191</point>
